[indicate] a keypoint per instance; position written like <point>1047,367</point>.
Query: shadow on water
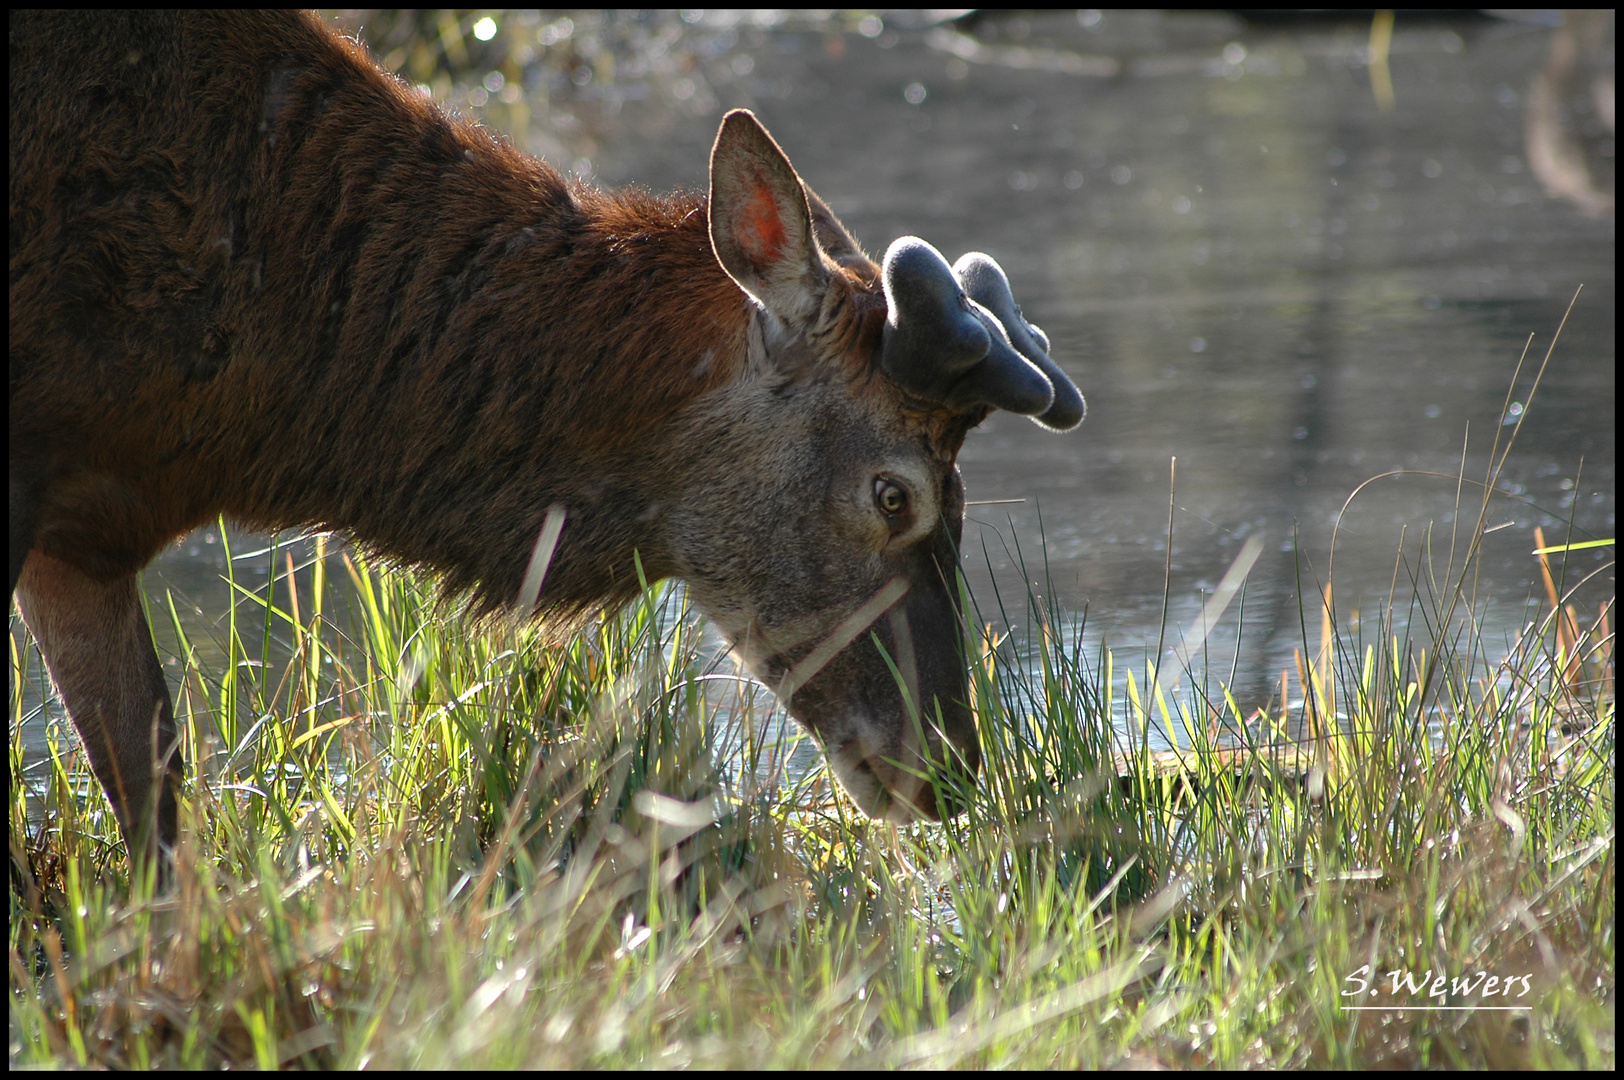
<point>1245,261</point>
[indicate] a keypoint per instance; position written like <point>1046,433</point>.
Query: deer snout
<point>900,780</point>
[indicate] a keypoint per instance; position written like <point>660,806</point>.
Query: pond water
<point>1242,258</point>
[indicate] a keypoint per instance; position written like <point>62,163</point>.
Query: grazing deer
<point>254,275</point>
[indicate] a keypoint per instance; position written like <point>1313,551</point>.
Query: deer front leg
<point>98,649</point>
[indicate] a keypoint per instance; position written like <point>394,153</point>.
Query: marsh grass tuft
<point>409,844</point>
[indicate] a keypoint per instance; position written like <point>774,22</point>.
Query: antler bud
<point>953,335</point>
<point>983,279</point>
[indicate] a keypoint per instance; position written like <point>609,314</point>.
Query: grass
<point>413,845</point>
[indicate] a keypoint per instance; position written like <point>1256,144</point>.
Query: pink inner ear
<point>763,226</point>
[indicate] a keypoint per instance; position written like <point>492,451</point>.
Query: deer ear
<point>830,234</point>
<point>760,224</point>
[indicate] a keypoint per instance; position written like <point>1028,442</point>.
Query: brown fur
<point>253,275</point>
<point>386,268</point>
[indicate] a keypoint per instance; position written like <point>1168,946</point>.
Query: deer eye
<point>890,497</point>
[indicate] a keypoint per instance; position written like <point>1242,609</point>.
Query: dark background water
<point>1242,259</point>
